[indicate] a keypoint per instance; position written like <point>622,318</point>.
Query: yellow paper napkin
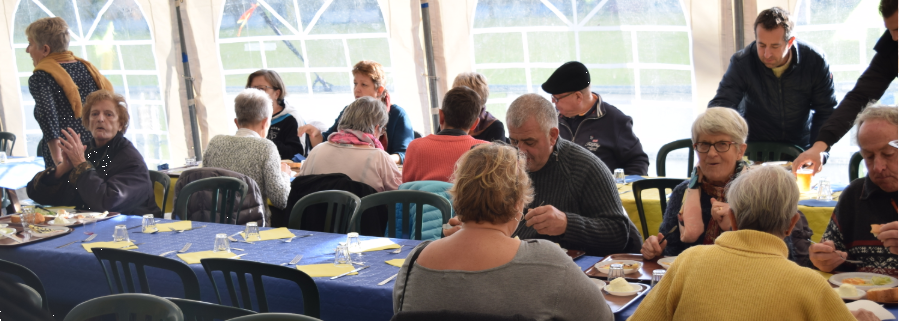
<point>195,257</point>
<point>125,245</point>
<point>273,234</point>
<point>326,270</point>
<point>378,245</point>
<point>396,262</point>
<point>180,225</point>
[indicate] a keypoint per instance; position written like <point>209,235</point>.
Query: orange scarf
<point>50,64</point>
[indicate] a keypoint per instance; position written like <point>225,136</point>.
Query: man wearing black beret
<point>587,120</point>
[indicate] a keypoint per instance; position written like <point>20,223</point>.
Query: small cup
<point>619,176</point>
<point>657,276</point>
<point>825,193</point>
<point>804,179</point>
<point>341,255</point>
<point>190,161</point>
<point>27,216</point>
<point>616,271</point>
<point>252,232</point>
<point>3,157</point>
<point>90,224</point>
<point>354,247</point>
<point>148,225</point>
<point>221,243</point>
<point>120,234</point>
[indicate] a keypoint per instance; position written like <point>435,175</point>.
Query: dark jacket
<point>283,133</point>
<point>779,109</point>
<point>609,134</point>
<point>121,184</point>
<point>252,206</point>
<point>374,220</point>
<point>495,132</point>
<point>399,131</point>
<point>870,87</point>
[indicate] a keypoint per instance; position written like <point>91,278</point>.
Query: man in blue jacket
<point>587,120</point>
<point>782,86</point>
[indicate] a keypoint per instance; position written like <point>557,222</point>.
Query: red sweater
<point>433,157</point>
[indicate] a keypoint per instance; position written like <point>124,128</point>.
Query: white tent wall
<point>11,114</point>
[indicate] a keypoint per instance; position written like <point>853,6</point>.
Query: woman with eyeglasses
<point>285,119</point>
<point>698,206</point>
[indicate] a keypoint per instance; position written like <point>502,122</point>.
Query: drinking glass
<point>2,157</point>
<point>619,176</point>
<point>824,190</point>
<point>148,225</point>
<point>190,161</point>
<point>341,255</point>
<point>27,216</point>
<point>804,179</point>
<point>616,271</point>
<point>120,234</point>
<point>354,247</point>
<point>252,232</point>
<point>221,243</point>
<point>90,224</point>
<point>657,276</point>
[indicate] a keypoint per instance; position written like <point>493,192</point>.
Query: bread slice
<point>883,295</point>
<point>875,229</point>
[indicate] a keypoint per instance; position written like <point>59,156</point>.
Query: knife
<point>667,234</point>
<point>237,256</point>
<point>356,270</point>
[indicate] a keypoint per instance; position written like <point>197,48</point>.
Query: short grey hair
<point>252,106</point>
<point>874,112</point>
<point>764,199</point>
<point>363,115</point>
<point>721,121</point>
<point>532,105</point>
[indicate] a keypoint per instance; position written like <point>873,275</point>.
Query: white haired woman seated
<point>354,149</point>
<point>248,152</point>
<point>746,275</point>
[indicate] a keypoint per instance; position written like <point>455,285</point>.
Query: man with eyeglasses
<point>587,120</point>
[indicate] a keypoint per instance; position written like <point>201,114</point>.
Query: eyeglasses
<point>263,88</point>
<point>719,146</point>
<point>555,100</point>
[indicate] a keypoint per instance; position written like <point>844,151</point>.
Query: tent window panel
<point>138,57</point>
<point>666,47</point>
<point>551,47</point>
<point>326,53</point>
<point>241,55</point>
<point>666,85</point>
<point>498,48</point>
<point>376,49</point>
<point>104,57</point>
<point>278,54</point>
<point>605,47</point>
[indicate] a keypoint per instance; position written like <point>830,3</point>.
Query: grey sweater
<point>540,282</point>
<point>253,156</point>
<point>578,183</point>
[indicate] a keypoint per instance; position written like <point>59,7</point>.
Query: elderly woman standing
<point>355,150</point>
<point>369,79</point>
<point>532,278</point>
<point>746,275</point>
<point>489,128</point>
<point>698,206</point>
<point>285,119</point>
<point>59,85</point>
<point>248,152</point>
<point>109,175</point>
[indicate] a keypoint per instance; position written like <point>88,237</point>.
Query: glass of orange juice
<point>804,179</point>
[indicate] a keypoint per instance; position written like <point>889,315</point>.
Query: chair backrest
<point>28,278</point>
<point>124,305</point>
<point>342,206</point>
<point>226,197</point>
<point>120,277</point>
<point>404,197</point>
<point>203,311</point>
<point>164,180</point>
<point>670,147</point>
<point>653,183</point>
<point>7,142</point>
<point>855,164</point>
<point>771,152</point>
<point>311,303</point>
<point>275,317</point>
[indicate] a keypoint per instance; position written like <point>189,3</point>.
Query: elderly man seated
<point>745,275</point>
<point>863,225</point>
<point>576,203</point>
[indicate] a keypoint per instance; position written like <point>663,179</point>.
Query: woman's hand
<point>71,146</point>
<point>315,135</point>
<point>286,169</point>
<point>652,248</point>
<point>864,315</point>
<point>719,214</point>
<point>456,226</point>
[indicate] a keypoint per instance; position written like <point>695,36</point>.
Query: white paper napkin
<point>872,306</point>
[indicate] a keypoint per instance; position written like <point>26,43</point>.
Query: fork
<point>182,250</point>
<point>295,260</point>
<point>182,231</point>
<point>289,239</point>
<point>397,251</point>
<point>130,245</point>
<point>846,259</point>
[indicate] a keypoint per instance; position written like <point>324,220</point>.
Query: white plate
<point>860,294</point>
<point>837,279</point>
<point>53,230</point>
<point>4,230</point>
<point>94,214</point>
<point>53,222</point>
<point>603,267</point>
<point>666,262</point>
<point>636,288</point>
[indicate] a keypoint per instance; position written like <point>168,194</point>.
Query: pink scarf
<point>355,137</point>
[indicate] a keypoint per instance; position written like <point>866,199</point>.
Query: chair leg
<point>14,205</point>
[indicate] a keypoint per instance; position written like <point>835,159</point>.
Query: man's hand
<point>651,247</point>
<point>825,256</point>
<point>456,226</point>
<point>547,220</point>
<point>888,235</point>
<point>813,157</point>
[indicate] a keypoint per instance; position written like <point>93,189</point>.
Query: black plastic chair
<point>124,305</point>
<point>28,278</point>
<point>164,180</point>
<point>653,183</point>
<point>670,147</point>
<point>311,302</point>
<point>404,197</point>
<point>203,311</point>
<point>125,258</point>
<point>7,142</point>
<point>275,317</point>
<point>342,206</point>
<point>855,164</point>
<point>225,199</point>
<point>772,152</point>
<point>454,315</point>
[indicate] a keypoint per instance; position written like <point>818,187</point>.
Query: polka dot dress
<point>52,109</point>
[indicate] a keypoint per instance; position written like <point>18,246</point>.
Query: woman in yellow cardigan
<point>746,275</point>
